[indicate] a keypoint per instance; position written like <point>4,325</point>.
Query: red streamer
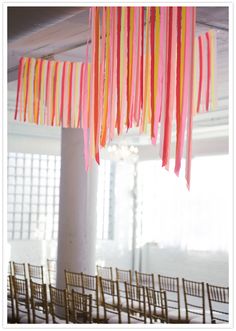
<point>19,84</point>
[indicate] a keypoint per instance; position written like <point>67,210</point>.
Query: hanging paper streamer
<point>147,69</point>
<point>205,86</point>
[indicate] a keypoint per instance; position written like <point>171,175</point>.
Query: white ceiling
<point>62,32</point>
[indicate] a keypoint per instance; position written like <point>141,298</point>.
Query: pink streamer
<point>190,113</point>
<point>160,75</point>
<point>187,72</point>
<point>85,102</point>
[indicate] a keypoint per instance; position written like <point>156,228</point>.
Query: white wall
<point>32,251</point>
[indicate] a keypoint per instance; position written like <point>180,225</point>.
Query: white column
<point>77,211</point>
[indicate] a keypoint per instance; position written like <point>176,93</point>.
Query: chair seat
<point>194,319</point>
<point>110,300</point>
<point>113,318</point>
<point>38,320</point>
<point>59,321</point>
<point>174,318</point>
<point>21,298</point>
<point>158,311</point>
<point>124,319</point>
<point>10,318</point>
<point>100,312</point>
<point>123,302</point>
<point>23,318</point>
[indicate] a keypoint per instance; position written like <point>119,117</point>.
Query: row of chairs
<point>109,295</point>
<point>193,293</point>
<point>45,303</point>
<point>166,298</point>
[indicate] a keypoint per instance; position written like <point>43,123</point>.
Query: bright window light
<point>173,217</point>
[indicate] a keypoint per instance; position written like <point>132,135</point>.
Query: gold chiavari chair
<point>146,280</point>
<point>36,273</point>
<point>81,307</point>
<point>39,303</point>
<point>110,300</point>
<point>218,297</point>
<point>59,305</point>
<point>91,287</point>
<point>136,304</point>
<point>74,281</point>
<point>157,305</point>
<point>194,299</point>
<point>22,300</point>
<point>123,276</point>
<point>104,272</point>
<point>171,286</point>
<point>11,314</point>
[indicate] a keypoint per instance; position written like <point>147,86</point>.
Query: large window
<point>173,217</point>
<point>33,196</point>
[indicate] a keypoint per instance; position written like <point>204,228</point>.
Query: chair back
<point>136,303</point>
<point>157,305</point>
<point>59,305</point>
<point>39,302</point>
<point>19,270</point>
<point>194,299</point>
<point>104,272</point>
<point>73,281</point>
<point>36,273</point>
<point>124,276</point>
<point>143,279</point>
<point>218,297</point>
<point>81,307</point>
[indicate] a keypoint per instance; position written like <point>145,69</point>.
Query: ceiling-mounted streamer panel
<point>147,70</point>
